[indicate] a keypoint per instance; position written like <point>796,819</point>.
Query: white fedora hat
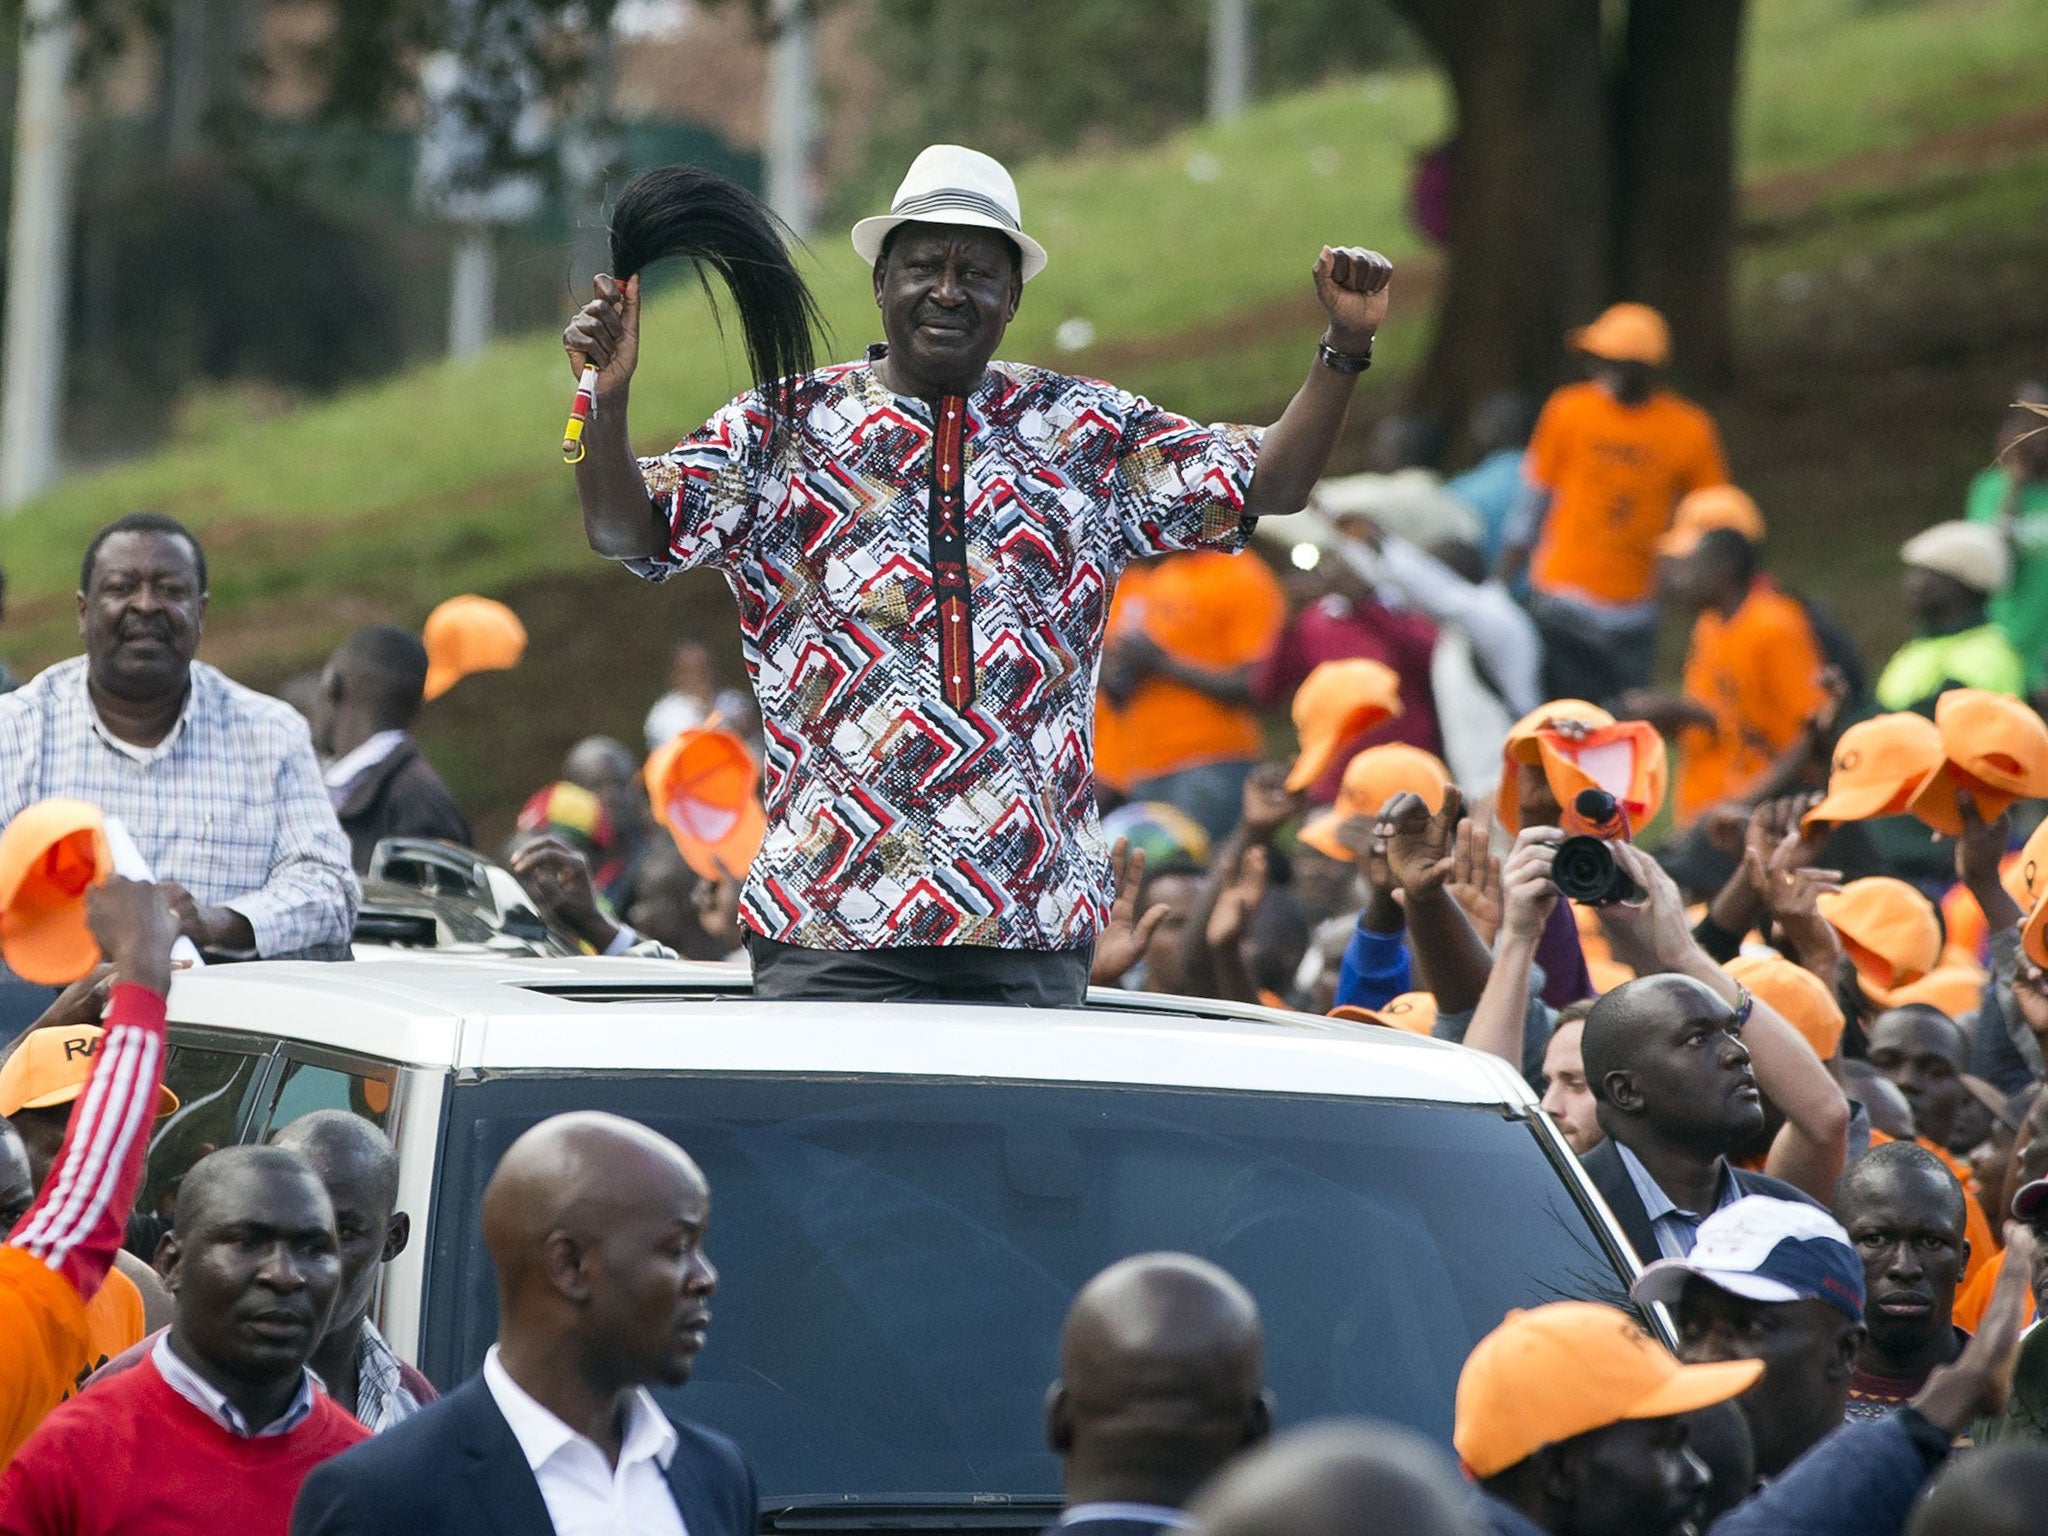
<point>947,184</point>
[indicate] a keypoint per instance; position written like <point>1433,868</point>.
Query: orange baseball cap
<point>1889,929</point>
<point>1627,759</point>
<point>1371,779</point>
<point>1555,1372</point>
<point>705,789</point>
<point>1993,747</point>
<point>1521,746</point>
<point>1880,765</point>
<point>51,1066</point>
<point>51,854</point>
<point>1708,508</point>
<point>1412,1013</point>
<point>2026,877</point>
<point>1625,333</point>
<point>1955,989</point>
<point>2034,934</point>
<point>470,634</point>
<point>1336,702</point>
<point>1798,996</point>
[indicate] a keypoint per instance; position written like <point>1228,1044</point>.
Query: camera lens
<point>1585,871</point>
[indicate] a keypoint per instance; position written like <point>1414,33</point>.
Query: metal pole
<point>1230,57</point>
<point>471,291</point>
<point>38,257</point>
<point>792,115</point>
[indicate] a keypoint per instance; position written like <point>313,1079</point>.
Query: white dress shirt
<point>584,1494</point>
<point>342,773</point>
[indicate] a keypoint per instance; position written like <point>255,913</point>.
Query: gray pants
<point>922,973</point>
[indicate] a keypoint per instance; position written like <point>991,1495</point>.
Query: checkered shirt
<point>230,805</point>
<point>924,636</point>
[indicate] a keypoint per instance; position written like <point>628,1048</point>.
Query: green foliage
<point>1022,78</point>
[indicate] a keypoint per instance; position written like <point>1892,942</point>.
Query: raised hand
<point>1268,803</point>
<point>557,877</point>
<point>1475,882</point>
<point>1528,890</point>
<point>606,333</point>
<point>1123,941</point>
<point>1238,900</point>
<point>1421,848</point>
<point>136,927</point>
<point>1353,286</point>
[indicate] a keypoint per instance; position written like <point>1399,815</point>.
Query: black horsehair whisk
<point>683,211</point>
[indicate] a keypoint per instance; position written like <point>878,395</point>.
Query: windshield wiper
<point>909,1512</point>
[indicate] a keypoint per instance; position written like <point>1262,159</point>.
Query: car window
<point>215,1088</point>
<point>307,1086</point>
<point>896,1257</point>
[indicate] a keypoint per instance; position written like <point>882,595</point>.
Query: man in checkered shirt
<point>923,551</point>
<point>217,784</point>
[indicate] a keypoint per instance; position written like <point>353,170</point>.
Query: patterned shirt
<point>230,804</point>
<point>924,629</point>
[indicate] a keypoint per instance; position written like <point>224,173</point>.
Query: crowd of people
<point>1009,734</point>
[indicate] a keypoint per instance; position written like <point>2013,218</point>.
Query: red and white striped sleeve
<point>79,1220</point>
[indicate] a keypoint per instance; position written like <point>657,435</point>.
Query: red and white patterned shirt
<point>923,629</point>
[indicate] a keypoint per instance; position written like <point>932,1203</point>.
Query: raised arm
<point>77,1223</point>
<point>1352,286</point>
<point>1500,1022</point>
<point>619,517</point>
<point>1814,1145</point>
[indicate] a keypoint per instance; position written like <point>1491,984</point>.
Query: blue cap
<point>1766,1250</point>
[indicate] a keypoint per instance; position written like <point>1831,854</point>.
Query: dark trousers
<point>1582,660</point>
<point>922,973</point>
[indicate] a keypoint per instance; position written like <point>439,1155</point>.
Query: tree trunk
<point>1675,173</point>
<point>1530,220</point>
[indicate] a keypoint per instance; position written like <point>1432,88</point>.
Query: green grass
<point>445,478</point>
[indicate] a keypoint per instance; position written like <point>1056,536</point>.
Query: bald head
<point>1341,1478</point>
<point>595,1225</point>
<point>1620,1026</point>
<point>1161,1362</point>
<point>609,771</point>
<point>2000,1490</point>
<point>216,1186</point>
<point>344,1148</point>
<point>1666,1066</point>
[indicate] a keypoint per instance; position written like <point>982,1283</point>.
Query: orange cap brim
<point>1858,802</point>
<point>50,946</point>
<point>1319,751</point>
<point>440,679</point>
<point>1320,833</point>
<point>1935,801</point>
<point>730,855</point>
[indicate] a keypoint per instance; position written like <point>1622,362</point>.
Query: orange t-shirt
<point>113,1322</point>
<point>1205,609</point>
<point>1973,1296</point>
<point>1758,673</point>
<point>1614,473</point>
<point>43,1344</point>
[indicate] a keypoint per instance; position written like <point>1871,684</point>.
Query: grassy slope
<point>382,501</point>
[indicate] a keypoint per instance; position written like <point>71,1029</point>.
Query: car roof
<point>587,1014</point>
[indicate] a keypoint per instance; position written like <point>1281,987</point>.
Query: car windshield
<point>896,1256</point>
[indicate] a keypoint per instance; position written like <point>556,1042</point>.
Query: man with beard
<point>219,1426</point>
<point>1665,1061</point>
<point>217,784</point>
<point>1904,1214</point>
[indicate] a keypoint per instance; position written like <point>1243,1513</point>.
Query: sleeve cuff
<point>133,1003</point>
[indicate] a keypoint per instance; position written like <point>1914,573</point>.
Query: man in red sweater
<point>219,1427</point>
<point>58,1254</point>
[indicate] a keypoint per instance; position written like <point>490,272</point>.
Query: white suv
<point>905,1197</point>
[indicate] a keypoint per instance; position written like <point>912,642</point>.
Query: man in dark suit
<point>596,1227</point>
<point>1161,1365</point>
<point>1676,1095</point>
<point>381,783</point>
